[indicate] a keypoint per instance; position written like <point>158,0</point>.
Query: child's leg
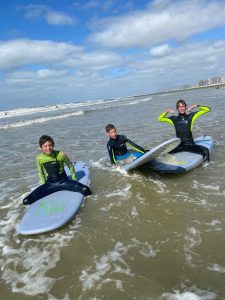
<point>40,192</point>
<point>137,154</point>
<point>75,186</point>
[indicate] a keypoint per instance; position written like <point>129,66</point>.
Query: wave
<point>44,109</point>
<point>52,112</point>
<point>41,120</point>
<point>65,106</point>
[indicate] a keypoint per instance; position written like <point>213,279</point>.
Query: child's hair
<point>181,101</point>
<point>46,138</point>
<point>109,127</point>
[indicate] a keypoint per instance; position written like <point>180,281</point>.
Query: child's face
<point>47,148</point>
<point>112,133</point>
<point>181,108</point>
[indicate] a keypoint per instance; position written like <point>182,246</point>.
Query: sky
<point>66,51</point>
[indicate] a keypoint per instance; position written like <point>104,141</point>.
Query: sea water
<point>141,235</point>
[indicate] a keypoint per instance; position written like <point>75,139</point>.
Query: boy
<point>50,164</point>
<point>183,123</point>
<point>117,148</point>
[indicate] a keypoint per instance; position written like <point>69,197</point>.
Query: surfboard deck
<point>181,162</point>
<point>55,210</point>
<point>161,149</point>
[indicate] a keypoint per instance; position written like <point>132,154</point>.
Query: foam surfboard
<point>181,162</point>
<point>55,210</point>
<point>161,149</point>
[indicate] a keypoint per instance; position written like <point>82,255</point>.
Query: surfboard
<point>55,210</point>
<point>161,149</point>
<point>181,162</point>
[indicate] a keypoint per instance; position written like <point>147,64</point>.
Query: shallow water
<point>141,235</point>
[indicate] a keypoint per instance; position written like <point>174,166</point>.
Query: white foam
<point>125,193</point>
<point>25,262</point>
<point>197,185</point>
<point>104,265</point>
<point>40,120</point>
<point>193,239</point>
<point>114,261</point>
<point>216,268</point>
<point>134,212</point>
<point>199,295</point>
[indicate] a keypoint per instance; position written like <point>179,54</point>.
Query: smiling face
<point>112,133</point>
<point>47,148</point>
<point>181,107</point>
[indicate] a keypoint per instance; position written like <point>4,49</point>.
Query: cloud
<point>52,17</point>
<point>160,50</point>
<point>140,74</point>
<point>35,54</point>
<point>162,21</point>
<point>23,52</point>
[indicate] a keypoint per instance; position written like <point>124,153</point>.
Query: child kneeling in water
<point>50,164</point>
<point>117,148</point>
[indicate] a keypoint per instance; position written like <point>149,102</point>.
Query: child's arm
<point>202,110</point>
<point>41,174</point>
<point>69,165</point>
<point>163,118</point>
<point>135,146</point>
<point>111,154</point>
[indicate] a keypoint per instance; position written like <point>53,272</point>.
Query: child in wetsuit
<point>50,164</point>
<point>117,148</point>
<point>183,123</point>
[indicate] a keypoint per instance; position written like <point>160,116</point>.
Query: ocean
<point>141,235</point>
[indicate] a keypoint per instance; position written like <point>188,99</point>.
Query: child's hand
<point>171,111</point>
<point>189,109</point>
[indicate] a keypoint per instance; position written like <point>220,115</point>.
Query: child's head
<point>111,131</point>
<point>181,106</point>
<point>46,144</point>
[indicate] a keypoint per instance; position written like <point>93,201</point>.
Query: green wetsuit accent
<point>189,118</point>
<point>62,159</point>
<point>202,110</point>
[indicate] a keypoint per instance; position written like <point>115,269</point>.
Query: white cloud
<point>160,50</point>
<point>164,20</point>
<point>93,4</point>
<point>19,53</point>
<point>52,17</point>
<point>59,18</point>
<point>186,64</point>
<point>94,61</point>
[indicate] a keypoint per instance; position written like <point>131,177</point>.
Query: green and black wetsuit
<point>53,177</point>
<point>183,124</point>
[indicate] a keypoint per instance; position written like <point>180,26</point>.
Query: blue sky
<point>65,51</point>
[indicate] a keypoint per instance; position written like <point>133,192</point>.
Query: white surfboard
<point>55,210</point>
<point>181,162</point>
<point>161,149</point>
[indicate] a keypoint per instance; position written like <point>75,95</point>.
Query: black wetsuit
<point>183,125</point>
<point>117,147</point>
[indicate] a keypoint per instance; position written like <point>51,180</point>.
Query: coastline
<point>182,89</point>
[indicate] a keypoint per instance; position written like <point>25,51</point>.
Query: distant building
<point>211,81</point>
<point>222,79</point>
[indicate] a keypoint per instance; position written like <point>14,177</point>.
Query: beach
<point>141,235</point>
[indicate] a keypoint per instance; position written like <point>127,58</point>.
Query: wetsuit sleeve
<point>69,165</point>
<point>135,146</point>
<point>202,110</point>
<point>41,173</point>
<point>163,118</point>
<point>111,154</point>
